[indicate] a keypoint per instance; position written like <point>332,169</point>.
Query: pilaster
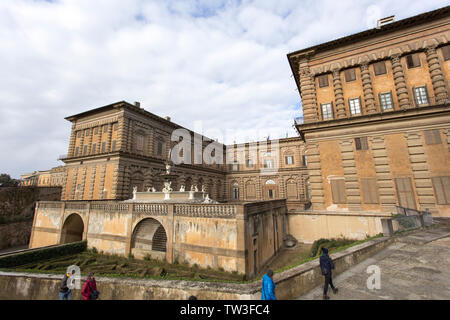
<point>369,99</point>
<point>338,95</point>
<point>437,76</point>
<point>400,83</point>
<point>351,176</point>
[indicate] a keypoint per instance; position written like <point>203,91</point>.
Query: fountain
<point>169,195</point>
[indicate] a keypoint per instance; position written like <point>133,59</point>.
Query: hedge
<point>19,259</point>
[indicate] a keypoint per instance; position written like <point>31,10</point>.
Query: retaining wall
<point>290,284</point>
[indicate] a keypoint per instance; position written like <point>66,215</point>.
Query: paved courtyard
<point>415,267</point>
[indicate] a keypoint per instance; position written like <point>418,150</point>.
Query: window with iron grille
<point>413,60</point>
<point>323,81</point>
<point>386,101</point>
<point>379,68</point>
<point>361,143</point>
<point>327,111</point>
<point>355,106</point>
<point>421,95</point>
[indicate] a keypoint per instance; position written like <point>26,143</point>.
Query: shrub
<point>42,254</point>
<point>329,244</point>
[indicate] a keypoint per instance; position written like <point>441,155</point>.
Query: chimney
<point>385,21</point>
<point>167,118</point>
<point>137,104</point>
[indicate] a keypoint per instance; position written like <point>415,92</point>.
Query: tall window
<point>350,75</point>
<point>323,81</point>
<point>268,163</point>
<point>94,148</point>
<point>369,190</point>
<point>235,191</point>
<point>379,68</point>
<point>289,160</point>
<point>235,166</point>
<point>115,126</point>
<point>105,128</point>
<point>77,150</point>
<point>113,148</point>
<point>88,131</point>
<point>139,142</point>
<point>79,134</point>
<point>420,95</point>
<point>355,106</point>
<point>413,60</point>
<point>386,101</point>
<point>96,130</point>
<point>405,192</point>
<point>85,150</point>
<point>249,163</point>
<point>338,191</point>
<point>305,160</point>
<point>103,147</point>
<point>327,111</point>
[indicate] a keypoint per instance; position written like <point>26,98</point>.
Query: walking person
<point>268,287</point>
<point>64,291</point>
<point>89,291</point>
<point>326,265</point>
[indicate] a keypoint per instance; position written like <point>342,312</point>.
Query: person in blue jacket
<point>268,287</point>
<point>326,265</point>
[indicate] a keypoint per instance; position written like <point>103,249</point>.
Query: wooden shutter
<point>364,143</point>
<point>358,143</point>
<point>432,136</point>
<point>323,81</point>
<point>350,75</point>
<point>446,52</point>
<point>338,191</point>
<point>413,60</point>
<point>379,68</point>
<point>441,187</point>
<point>369,190</point>
<point>405,193</point>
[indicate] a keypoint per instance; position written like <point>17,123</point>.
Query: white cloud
<point>222,62</point>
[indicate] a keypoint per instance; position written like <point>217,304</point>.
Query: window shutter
<point>441,187</point>
<point>338,191</point>
<point>446,52</point>
<point>428,97</point>
<point>436,136</point>
<point>332,110</point>
<point>360,106</point>
<point>364,144</point>
<point>358,143</point>
<point>416,60</point>
<point>323,81</point>
<point>379,68</point>
<point>392,99</point>
<point>350,75</point>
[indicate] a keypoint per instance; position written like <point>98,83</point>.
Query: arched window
<point>235,190</point>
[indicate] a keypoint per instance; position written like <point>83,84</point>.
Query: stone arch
<point>73,229</point>
<point>270,189</point>
<point>149,237</point>
<point>234,190</point>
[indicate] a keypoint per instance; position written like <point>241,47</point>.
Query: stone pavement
<point>416,266</point>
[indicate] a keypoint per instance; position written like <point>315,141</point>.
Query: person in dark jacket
<point>326,265</point>
<point>89,291</point>
<point>268,287</point>
<point>64,291</point>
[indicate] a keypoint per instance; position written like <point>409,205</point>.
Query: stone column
<point>315,176</point>
<point>339,95</point>
<point>72,141</point>
<point>421,172</point>
<point>308,91</point>
<point>383,173</point>
<point>437,76</point>
<point>400,82</point>
<point>351,176</point>
<point>369,99</point>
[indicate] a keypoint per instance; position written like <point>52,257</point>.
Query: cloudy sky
<point>207,64</point>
